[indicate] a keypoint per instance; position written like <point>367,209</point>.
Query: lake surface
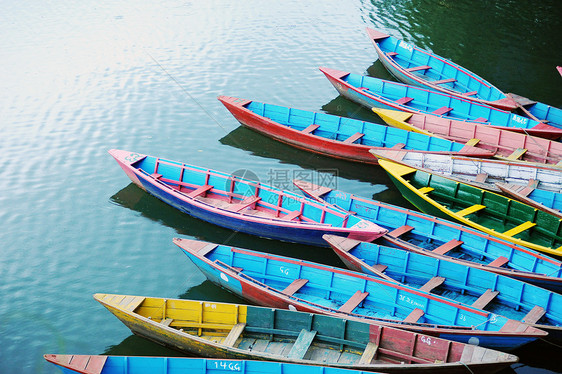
<point>79,78</point>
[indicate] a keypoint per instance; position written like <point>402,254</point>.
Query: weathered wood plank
<point>368,354</point>
<point>414,315</point>
<point>234,334</point>
<point>534,315</point>
<point>400,231</point>
<point>310,129</point>
<point>201,190</point>
<point>417,68</point>
<point>353,138</point>
<point>353,302</point>
<point>303,342</point>
<point>404,100</point>
<point>499,262</point>
<point>432,283</point>
<point>446,247</point>
<point>296,285</point>
<point>485,299</point>
<point>442,110</point>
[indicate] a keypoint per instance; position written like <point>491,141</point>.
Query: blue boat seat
<point>442,110</point>
<point>443,81</point>
<point>485,299</point>
<point>310,129</point>
<point>400,231</point>
<point>414,316</point>
<point>234,334</point>
<point>417,68</point>
<point>446,247</point>
<point>202,190</point>
<point>296,285</point>
<point>404,100</point>
<point>303,342</point>
<point>353,302</point>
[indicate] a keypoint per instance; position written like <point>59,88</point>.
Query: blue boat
<point>92,364</point>
<point>497,293</point>
<point>418,67</point>
<point>240,204</point>
<point>374,92</point>
<point>283,282</point>
<point>439,238</point>
<point>339,137</point>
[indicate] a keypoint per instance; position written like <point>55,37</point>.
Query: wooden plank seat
<point>481,119</point>
<point>234,334</point>
<point>426,190</point>
<point>417,68</point>
<point>414,316</point>
<point>368,354</point>
<point>310,129</point>
<point>201,190</point>
<point>442,110</point>
<point>485,299</point>
<point>517,154</point>
<point>519,229</point>
<point>471,209</point>
<point>400,231</point>
<point>404,100</point>
<point>473,142</point>
<point>499,262</point>
<point>391,54</point>
<point>398,146</point>
<point>291,215</point>
<point>471,93</point>
<point>353,138</point>
<point>166,321</point>
<point>296,285</point>
<point>432,283</point>
<point>303,342</point>
<point>245,203</point>
<point>353,302</point>
<point>443,81</point>
<point>530,187</point>
<point>481,177</point>
<point>446,247</point>
<point>156,175</point>
<point>534,315</point>
<point>132,304</point>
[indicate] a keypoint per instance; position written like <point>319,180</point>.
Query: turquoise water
<point>81,77</point>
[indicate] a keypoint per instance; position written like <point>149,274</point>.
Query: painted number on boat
<point>427,340</point>
<point>410,301</point>
<point>519,119</point>
<point>406,46</point>
<point>132,157</point>
<point>284,270</point>
<point>226,365</point>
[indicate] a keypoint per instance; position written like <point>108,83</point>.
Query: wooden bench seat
<point>234,334</point>
<point>426,190</point>
<point>481,177</point>
<point>443,81</point>
<point>432,283</point>
<point>156,175</point>
<point>414,316</point>
<point>201,190</point>
<point>417,68</point>
<point>519,229</point>
<point>353,302</point>
<point>499,262</point>
<point>391,54</point>
<point>400,231</point>
<point>480,119</point>
<point>303,342</point>
<point>471,209</point>
<point>471,93</point>
<point>530,187</point>
<point>166,321</point>
<point>245,203</point>
<point>442,110</point>
<point>534,315</point>
<point>353,138</point>
<point>296,285</point>
<point>485,299</point>
<point>517,154</point>
<point>368,354</point>
<point>446,247</point>
<point>291,216</point>
<point>404,100</point>
<point>310,129</point>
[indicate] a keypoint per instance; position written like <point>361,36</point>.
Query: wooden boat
<point>489,212</point>
<point>423,68</point>
<point>443,239</point>
<point>497,293</point>
<point>240,204</point>
<point>282,282</point>
<point>559,68</point>
<point>538,186</point>
<point>91,364</point>
<point>419,67</point>
<point>505,144</point>
<point>374,92</point>
<point>220,330</point>
<point>334,136</point>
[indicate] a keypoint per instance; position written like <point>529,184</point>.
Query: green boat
<point>489,212</point>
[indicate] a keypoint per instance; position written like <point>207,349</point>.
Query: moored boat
<point>497,293</point>
<point>335,136</point>
<point>222,330</point>
<point>282,282</point>
<point>374,92</point>
<point>487,211</point>
<point>240,204</point>
<point>444,239</point>
<point>419,67</point>
<point>505,144</point>
<point>536,185</point>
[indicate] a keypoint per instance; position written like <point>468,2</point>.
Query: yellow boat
<point>489,212</point>
<point>235,331</point>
